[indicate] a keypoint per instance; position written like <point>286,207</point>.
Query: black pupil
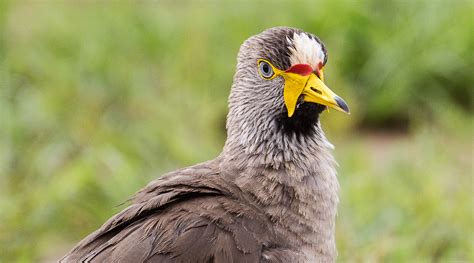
<point>265,68</point>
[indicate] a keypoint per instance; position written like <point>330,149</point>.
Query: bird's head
<point>278,89</point>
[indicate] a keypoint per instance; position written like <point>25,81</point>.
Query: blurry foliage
<point>98,99</point>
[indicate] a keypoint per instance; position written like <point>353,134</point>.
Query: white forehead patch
<point>305,50</point>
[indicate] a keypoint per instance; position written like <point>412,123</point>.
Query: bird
<point>271,195</point>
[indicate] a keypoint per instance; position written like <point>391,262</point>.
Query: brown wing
<point>191,215</point>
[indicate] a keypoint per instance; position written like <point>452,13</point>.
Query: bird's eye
<point>265,69</point>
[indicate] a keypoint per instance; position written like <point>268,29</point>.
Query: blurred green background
<point>98,99</point>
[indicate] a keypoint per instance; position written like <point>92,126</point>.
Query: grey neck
<point>294,178</point>
<point>261,143</point>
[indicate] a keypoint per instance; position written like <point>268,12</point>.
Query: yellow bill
<point>301,80</point>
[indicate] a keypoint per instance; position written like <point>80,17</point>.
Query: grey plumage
<point>270,196</point>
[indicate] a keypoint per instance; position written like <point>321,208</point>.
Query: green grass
<point>406,198</point>
<point>98,99</point>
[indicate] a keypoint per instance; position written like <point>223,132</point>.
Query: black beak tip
<point>342,104</point>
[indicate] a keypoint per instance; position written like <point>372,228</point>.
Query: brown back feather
<point>191,215</point>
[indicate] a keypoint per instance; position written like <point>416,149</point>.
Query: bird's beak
<point>300,80</point>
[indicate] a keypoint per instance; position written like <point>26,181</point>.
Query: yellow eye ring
<point>266,69</point>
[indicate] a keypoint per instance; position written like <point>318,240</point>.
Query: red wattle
<point>300,69</point>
